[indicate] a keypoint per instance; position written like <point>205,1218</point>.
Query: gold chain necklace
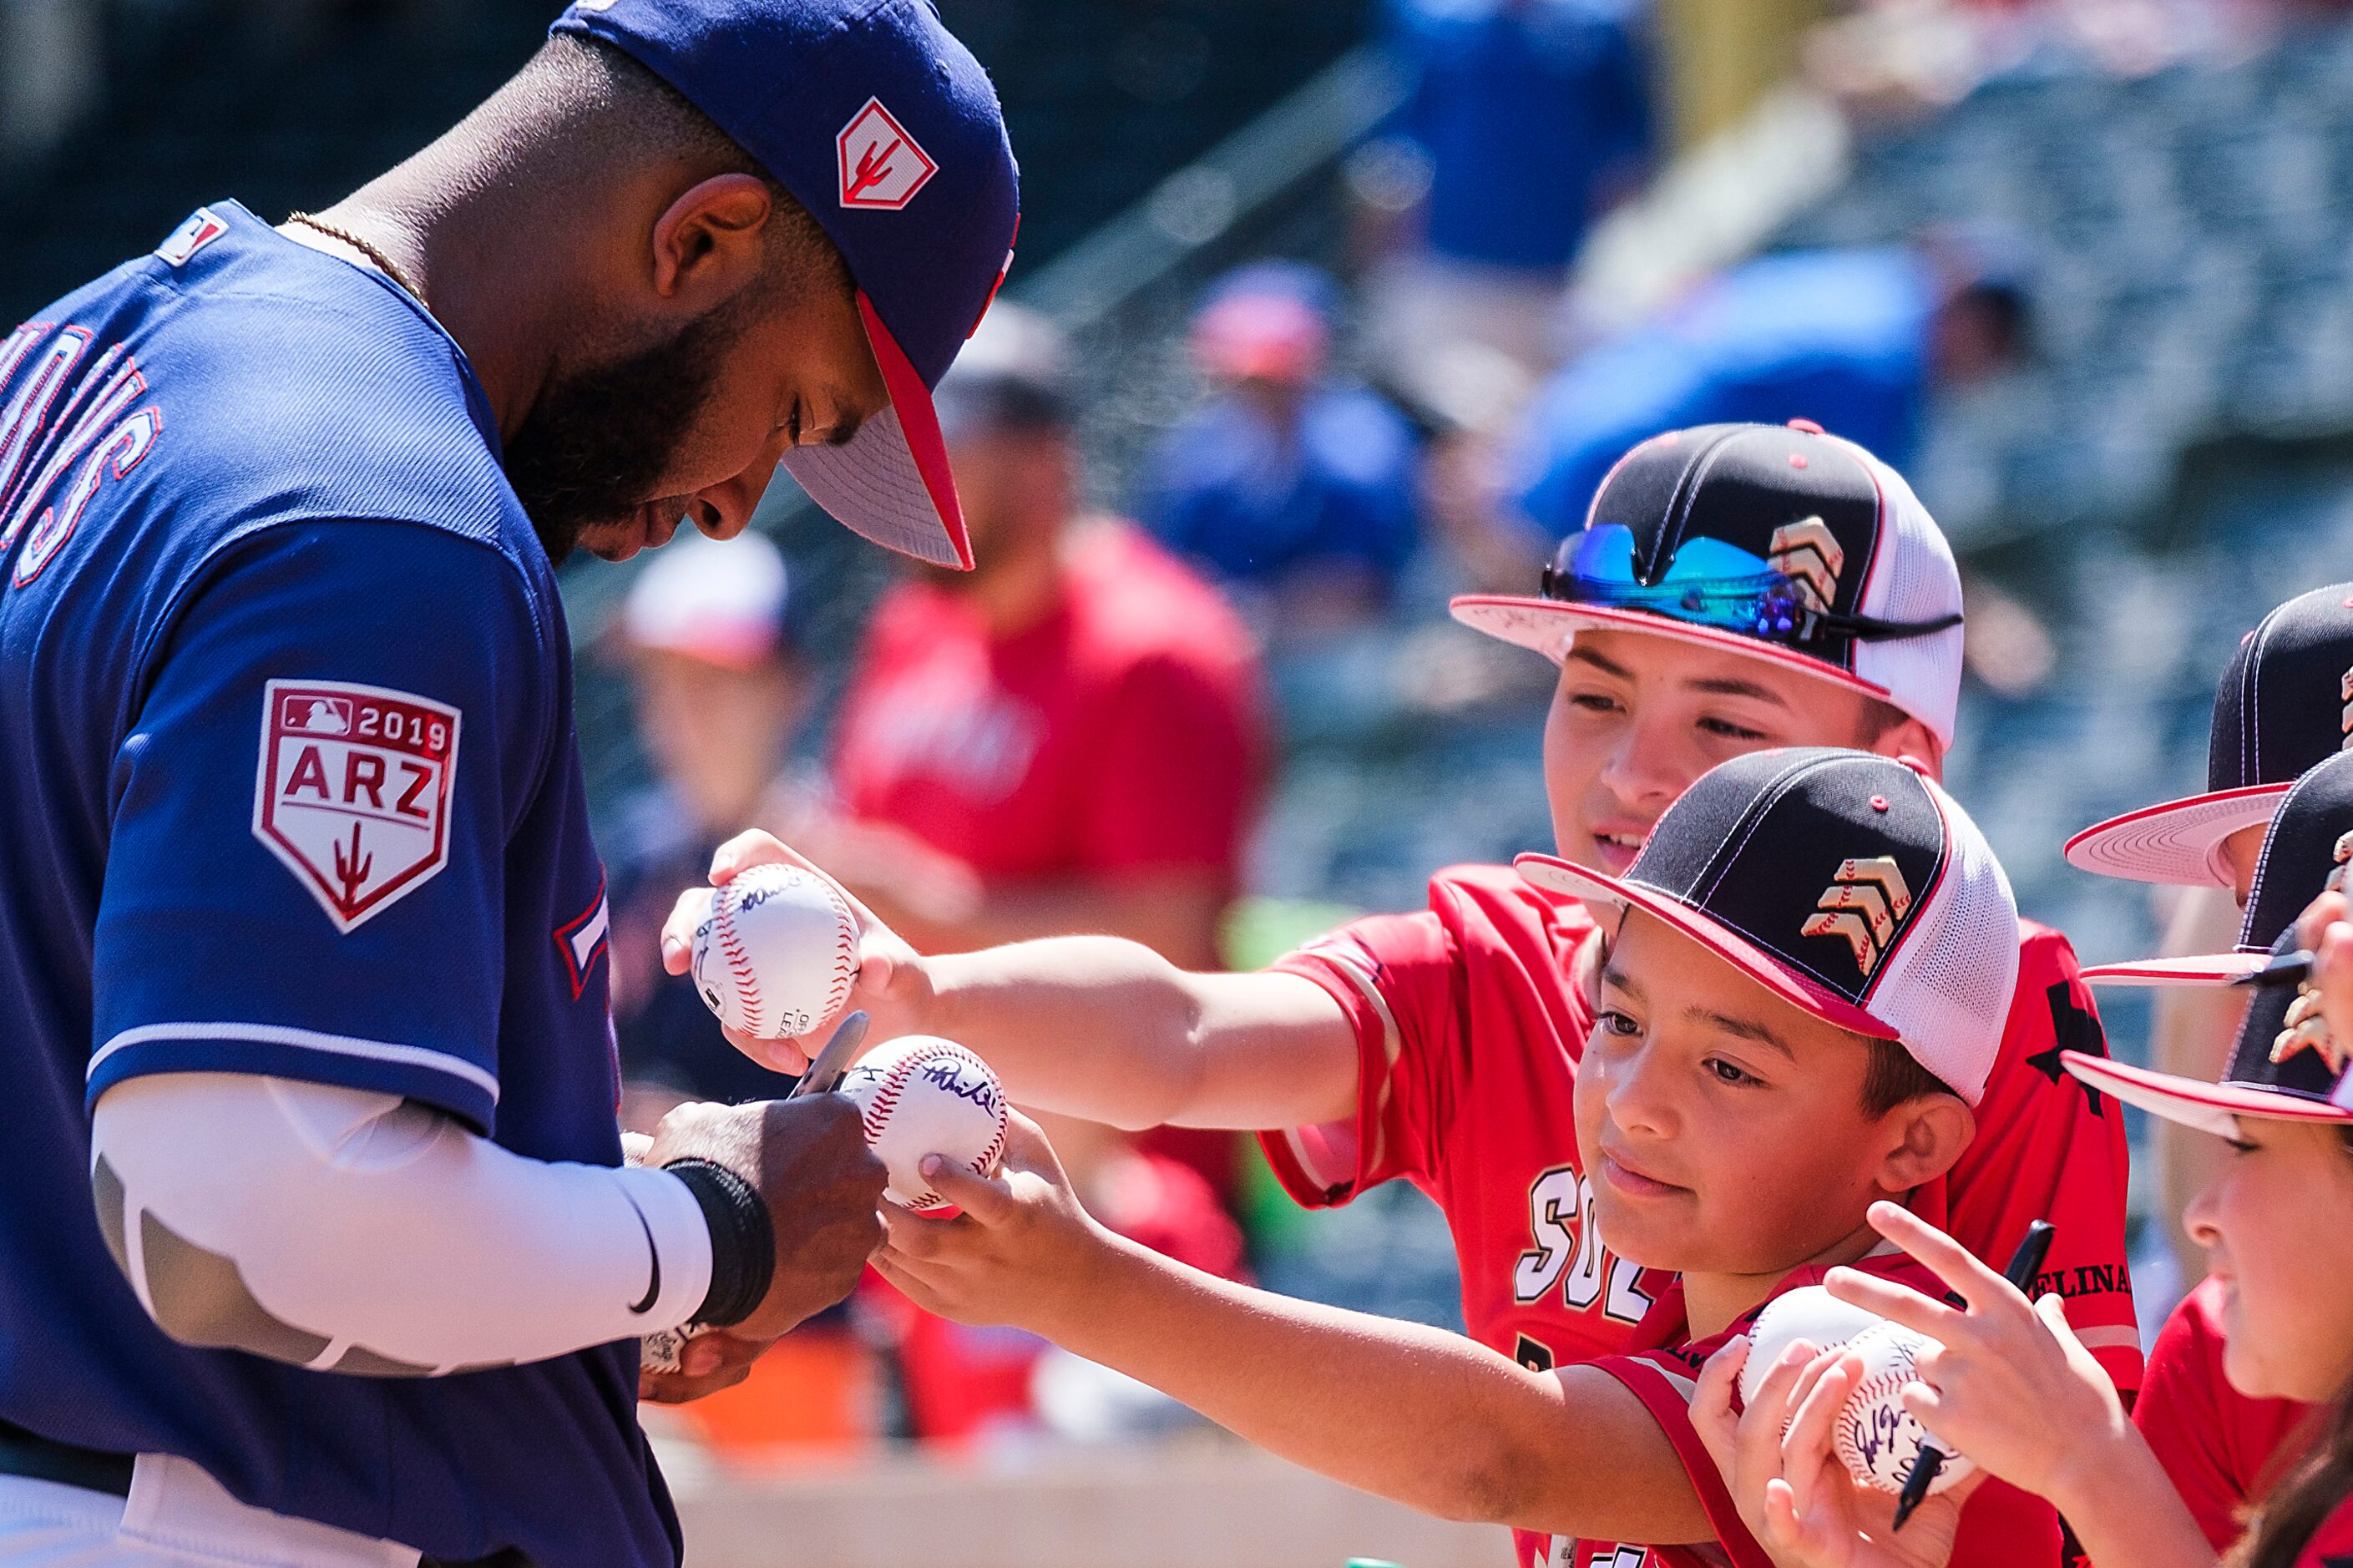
<point>364,248</point>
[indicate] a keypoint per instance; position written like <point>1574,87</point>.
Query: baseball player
<point>2219,1444</point>
<point>1442,1047</point>
<point>2279,708</point>
<point>1755,1079</point>
<point>318,1248</point>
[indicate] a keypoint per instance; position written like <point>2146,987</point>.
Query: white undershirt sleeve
<point>357,1232</point>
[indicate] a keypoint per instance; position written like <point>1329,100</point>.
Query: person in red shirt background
<point>1068,738</point>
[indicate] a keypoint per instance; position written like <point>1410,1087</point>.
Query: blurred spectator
<point>1851,339</point>
<point>1527,120</point>
<point>1066,738</point>
<point>969,1384</point>
<point>1296,487</point>
<point>720,692</point>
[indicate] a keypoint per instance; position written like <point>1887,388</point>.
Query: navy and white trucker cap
<point>887,129</point>
<point>2305,854</point>
<point>2284,704</point>
<point>2286,1066</point>
<point>1847,883</point>
<point>1777,541</point>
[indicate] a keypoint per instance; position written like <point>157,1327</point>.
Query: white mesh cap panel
<point>871,486</point>
<point>1913,578</point>
<point>1946,990</point>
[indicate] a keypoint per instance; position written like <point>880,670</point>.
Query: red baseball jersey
<point>2000,1526</point>
<point>1470,1024</point>
<point>1121,732</point>
<point>2219,1448</point>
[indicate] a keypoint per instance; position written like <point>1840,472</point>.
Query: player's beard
<point>597,441</point>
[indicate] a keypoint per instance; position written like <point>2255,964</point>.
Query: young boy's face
<point>1723,1128</point>
<point>1636,718</point>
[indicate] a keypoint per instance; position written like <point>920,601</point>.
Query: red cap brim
<point>1547,626</point>
<point>2198,969</point>
<point>1801,991</point>
<point>2178,842</point>
<point>891,481</point>
<point>2208,1107</point>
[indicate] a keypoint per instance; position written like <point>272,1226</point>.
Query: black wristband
<point>742,1241</point>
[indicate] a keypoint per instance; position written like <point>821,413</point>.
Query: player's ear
<point>1926,1136</point>
<point>710,241</point>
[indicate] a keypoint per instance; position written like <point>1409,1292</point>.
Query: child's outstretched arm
<point>1092,1027</point>
<point>2012,1387</point>
<point>1427,1417</point>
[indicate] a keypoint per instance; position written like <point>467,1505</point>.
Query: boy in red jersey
<point>1442,1047</point>
<point>1808,969</point>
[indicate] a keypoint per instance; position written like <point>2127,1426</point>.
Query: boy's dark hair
<point>1892,1077</point>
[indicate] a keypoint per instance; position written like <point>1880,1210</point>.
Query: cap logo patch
<point>1863,903</point>
<point>2307,1030</point>
<point>882,167</point>
<point>2345,719</point>
<point>1810,556</point>
<point>353,792</point>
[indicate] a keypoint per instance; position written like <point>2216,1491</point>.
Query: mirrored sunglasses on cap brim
<point>1710,583</point>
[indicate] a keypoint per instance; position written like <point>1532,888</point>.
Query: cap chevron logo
<point>1863,904</point>
<point>1809,555</point>
<point>2344,718</point>
<point>2307,1030</point>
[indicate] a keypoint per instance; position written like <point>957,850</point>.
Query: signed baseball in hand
<point>1876,1439</point>
<point>922,1096</point>
<point>1808,1313</point>
<point>777,952</point>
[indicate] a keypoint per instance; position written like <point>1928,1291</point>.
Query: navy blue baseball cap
<point>887,129</point>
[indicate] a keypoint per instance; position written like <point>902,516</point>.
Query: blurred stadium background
<point>2168,183</point>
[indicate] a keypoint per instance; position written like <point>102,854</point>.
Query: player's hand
<point>1790,1486</point>
<point>708,1361</point>
<point>2006,1382</point>
<point>808,1159</point>
<point>890,986</point>
<point>1019,1254</point>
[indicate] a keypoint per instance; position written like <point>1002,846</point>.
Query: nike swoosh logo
<point>653,1287</point>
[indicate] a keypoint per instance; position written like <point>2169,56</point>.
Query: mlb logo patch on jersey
<point>880,165</point>
<point>352,791</point>
<point>201,229</point>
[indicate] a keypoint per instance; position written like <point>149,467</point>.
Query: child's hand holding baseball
<point>1020,1253</point>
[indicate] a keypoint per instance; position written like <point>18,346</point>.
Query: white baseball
<point>922,1096</point>
<point>1876,1439</point>
<point>777,952</point>
<point>1808,1313</point>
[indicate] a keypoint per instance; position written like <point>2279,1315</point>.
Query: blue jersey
<point>293,789</point>
<point>1255,505</point>
<point>1839,337</point>
<point>1530,112</point>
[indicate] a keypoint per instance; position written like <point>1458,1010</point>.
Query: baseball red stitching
<point>739,962</point>
<point>844,949</point>
<point>886,1101</point>
<point>1887,1386</point>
